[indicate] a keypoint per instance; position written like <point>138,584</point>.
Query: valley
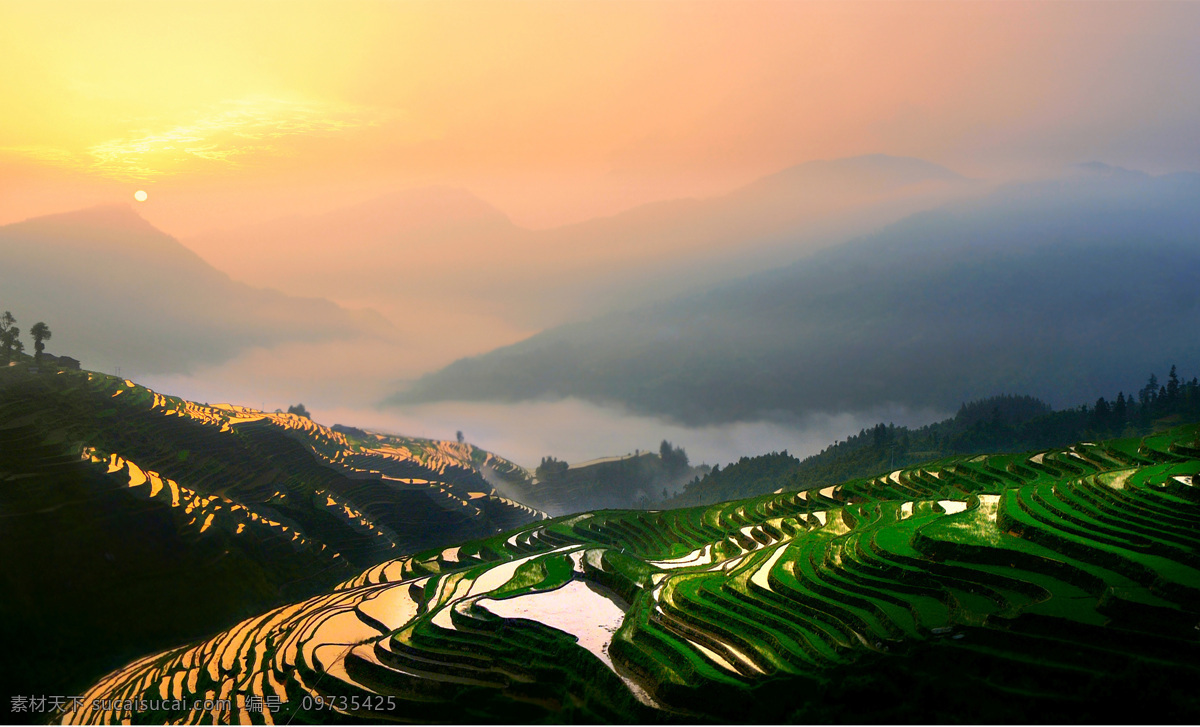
<point>665,362</point>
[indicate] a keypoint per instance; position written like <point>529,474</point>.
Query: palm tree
<point>40,333</point>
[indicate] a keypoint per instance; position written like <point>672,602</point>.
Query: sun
<point>140,195</point>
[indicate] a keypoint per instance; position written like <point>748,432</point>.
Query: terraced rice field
<point>237,467</point>
<point>1051,586</point>
<point>132,521</point>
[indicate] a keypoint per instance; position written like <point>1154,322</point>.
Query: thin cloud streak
<point>226,135</point>
<point>241,128</point>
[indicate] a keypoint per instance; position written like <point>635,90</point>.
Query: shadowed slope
<point>135,520</point>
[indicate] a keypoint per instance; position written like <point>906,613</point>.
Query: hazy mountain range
<point>1059,288</point>
<point>450,274</point>
<point>116,291</point>
<point>442,249</point>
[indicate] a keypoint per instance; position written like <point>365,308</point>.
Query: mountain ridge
<point>600,263</point>
<point>124,292</point>
<point>1077,270</point>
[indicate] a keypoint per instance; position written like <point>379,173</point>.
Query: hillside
<point>1062,289</point>
<point>133,521</point>
<point>628,481</point>
<point>127,294</point>
<point>995,423</point>
<point>1052,586</point>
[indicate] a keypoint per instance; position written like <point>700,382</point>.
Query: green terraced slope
<point>1058,586</point>
<point>132,521</point>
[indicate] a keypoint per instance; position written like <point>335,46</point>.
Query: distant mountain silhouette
<point>1100,169</point>
<point>117,291</point>
<point>872,171</point>
<point>1063,289</point>
<point>447,243</point>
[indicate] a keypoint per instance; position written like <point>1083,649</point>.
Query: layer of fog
<point>569,429</point>
<point>578,431</point>
<point>351,374</point>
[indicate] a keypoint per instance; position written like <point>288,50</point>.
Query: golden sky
<point>233,112</point>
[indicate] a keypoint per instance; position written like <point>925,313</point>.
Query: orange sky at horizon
<point>234,113</point>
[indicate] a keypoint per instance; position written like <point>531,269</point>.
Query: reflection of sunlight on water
<point>576,608</point>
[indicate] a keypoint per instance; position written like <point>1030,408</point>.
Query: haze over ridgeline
<point>1064,288</point>
<point>1060,288</point>
<point>452,276</point>
<point>444,252</point>
<point>121,292</point>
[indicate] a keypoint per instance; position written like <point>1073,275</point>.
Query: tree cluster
<point>674,459</point>
<point>995,424</point>
<point>1155,401</point>
<point>10,339</point>
<point>550,469</point>
<point>765,473</point>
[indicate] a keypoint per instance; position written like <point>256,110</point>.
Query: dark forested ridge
<point>635,480</point>
<point>1006,422</point>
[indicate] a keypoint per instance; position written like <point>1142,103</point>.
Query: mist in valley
<point>971,298</point>
<point>569,429</point>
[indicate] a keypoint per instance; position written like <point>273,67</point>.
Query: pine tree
<point>1172,385</point>
<point>1148,392</point>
